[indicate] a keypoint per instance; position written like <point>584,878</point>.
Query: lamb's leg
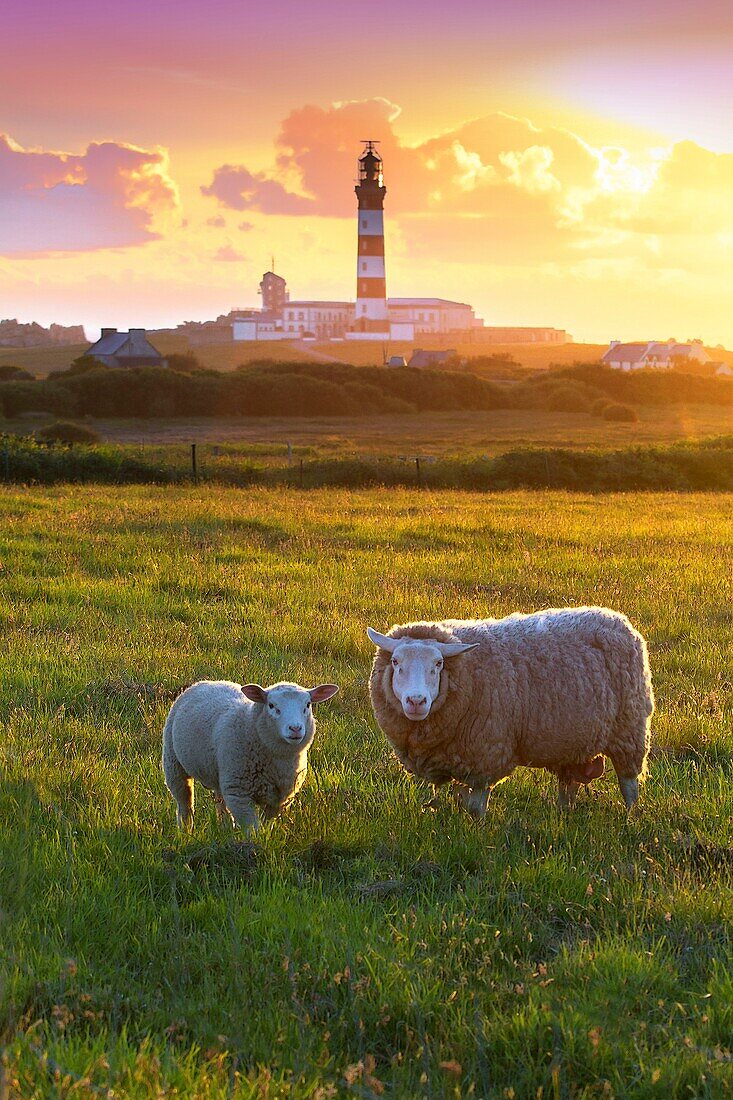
<point>181,787</point>
<point>242,809</point>
<point>223,816</point>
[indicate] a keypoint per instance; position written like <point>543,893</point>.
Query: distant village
<point>440,322</point>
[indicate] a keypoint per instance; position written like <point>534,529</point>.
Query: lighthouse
<point>372,317</point>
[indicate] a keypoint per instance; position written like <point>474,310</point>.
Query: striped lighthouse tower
<point>371,287</point>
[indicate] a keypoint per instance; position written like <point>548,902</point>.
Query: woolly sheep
<point>470,700</point>
<point>248,745</point>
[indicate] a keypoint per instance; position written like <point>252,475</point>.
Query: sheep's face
<point>416,669</point>
<point>289,709</point>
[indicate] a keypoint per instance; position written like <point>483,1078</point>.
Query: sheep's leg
<point>433,802</point>
<point>242,809</point>
<point>567,790</point>
<point>181,787</point>
<point>630,790</point>
<point>474,799</point>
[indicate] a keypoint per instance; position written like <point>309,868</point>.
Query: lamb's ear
<point>254,692</point>
<point>452,649</point>
<point>322,692</point>
<point>382,641</point>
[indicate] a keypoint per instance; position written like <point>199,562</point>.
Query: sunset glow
<point>551,163</point>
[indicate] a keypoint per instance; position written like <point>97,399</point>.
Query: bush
<point>623,414</point>
<point>184,362</point>
<point>65,431</point>
<point>598,406</point>
<point>9,373</point>
<point>567,398</point>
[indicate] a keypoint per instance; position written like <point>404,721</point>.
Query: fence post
<point>194,470</point>
<point>290,454</point>
<point>300,478</point>
<point>6,463</point>
<point>419,475</point>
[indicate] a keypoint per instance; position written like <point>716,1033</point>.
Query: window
<point>301,315</point>
<point>363,266</point>
<point>363,223</point>
<point>364,308</point>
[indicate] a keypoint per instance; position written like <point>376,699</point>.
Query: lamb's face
<point>416,669</point>
<point>289,710</point>
<point>291,714</point>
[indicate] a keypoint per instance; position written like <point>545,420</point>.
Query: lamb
<point>248,745</point>
<point>470,700</point>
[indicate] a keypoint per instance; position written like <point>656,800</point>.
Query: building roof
<point>435,302</point>
<point>345,305</point>
<point>422,358</point>
<point>653,349</point>
<point>258,315</point>
<point>109,344</point>
<point>625,353</point>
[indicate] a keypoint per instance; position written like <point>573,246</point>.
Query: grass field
<point>42,361</point>
<point>450,433</point>
<point>362,947</point>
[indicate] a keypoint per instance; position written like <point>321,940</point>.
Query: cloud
<point>237,188</point>
<point>245,227</point>
<point>218,222</point>
<point>111,196</point>
<point>230,254</point>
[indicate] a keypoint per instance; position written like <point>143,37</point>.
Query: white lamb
<point>248,745</point>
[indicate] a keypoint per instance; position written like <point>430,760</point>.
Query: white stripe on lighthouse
<point>370,267</point>
<point>371,223</point>
<point>371,309</point>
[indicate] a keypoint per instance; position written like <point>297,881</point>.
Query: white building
<point>258,326</point>
<point>660,355</point>
<point>432,315</point>
<point>323,320</point>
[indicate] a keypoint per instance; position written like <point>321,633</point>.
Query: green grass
<point>363,945</point>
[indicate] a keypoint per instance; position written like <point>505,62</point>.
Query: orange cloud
<point>111,196</point>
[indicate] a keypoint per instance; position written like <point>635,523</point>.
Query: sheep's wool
<point>555,688</point>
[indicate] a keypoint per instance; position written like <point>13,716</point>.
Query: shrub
<point>65,431</point>
<point>620,413</point>
<point>598,406</point>
<point>567,398</point>
<point>184,362</point>
<point>9,373</point>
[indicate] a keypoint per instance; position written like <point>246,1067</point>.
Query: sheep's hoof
<point>566,795</point>
<point>630,791</point>
<point>475,802</point>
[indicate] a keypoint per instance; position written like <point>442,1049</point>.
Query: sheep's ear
<point>322,692</point>
<point>382,641</point>
<point>254,692</point>
<point>452,649</point>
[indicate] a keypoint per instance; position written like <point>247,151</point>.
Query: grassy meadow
<point>363,946</point>
<point>228,356</point>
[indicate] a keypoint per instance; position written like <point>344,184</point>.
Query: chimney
<point>108,332</point>
<point>615,343</point>
<point>137,332</point>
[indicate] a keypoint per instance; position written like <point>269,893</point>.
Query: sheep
<point>248,745</point>
<point>470,700</point>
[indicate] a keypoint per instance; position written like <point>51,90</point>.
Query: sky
<point>552,162</point>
